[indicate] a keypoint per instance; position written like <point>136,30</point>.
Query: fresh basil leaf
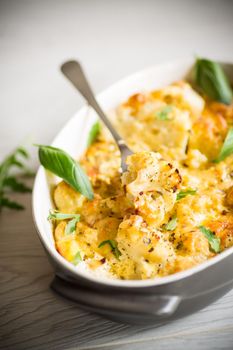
<point>212,81</point>
<point>77,258</point>
<point>113,245</point>
<point>10,161</point>
<point>7,181</point>
<point>163,114</point>
<point>56,215</point>
<point>16,185</point>
<point>5,202</point>
<point>17,163</point>
<point>71,226</point>
<point>184,193</point>
<point>23,152</point>
<point>214,241</point>
<point>94,132</point>
<point>171,225</point>
<point>61,164</point>
<point>6,166</point>
<point>227,147</point>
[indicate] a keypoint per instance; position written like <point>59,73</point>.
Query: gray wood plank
<point>214,340</point>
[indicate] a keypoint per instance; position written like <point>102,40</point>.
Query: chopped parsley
<point>57,215</point>
<point>184,193</point>
<point>71,225</point>
<point>77,258</point>
<point>163,114</point>
<point>214,241</point>
<point>227,147</point>
<point>93,134</point>
<point>171,225</point>
<point>113,245</point>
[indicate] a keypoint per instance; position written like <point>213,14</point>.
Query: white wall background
<point>111,38</point>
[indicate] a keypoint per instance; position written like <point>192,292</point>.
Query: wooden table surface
<point>32,316</point>
<point>113,39</point>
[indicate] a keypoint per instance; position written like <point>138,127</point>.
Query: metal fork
<point>74,72</point>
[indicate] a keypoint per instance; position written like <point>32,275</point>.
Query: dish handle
<point>106,302</point>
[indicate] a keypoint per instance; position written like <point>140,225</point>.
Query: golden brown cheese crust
<point>176,134</point>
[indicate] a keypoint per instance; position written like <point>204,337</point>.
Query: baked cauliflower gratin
<point>173,207</point>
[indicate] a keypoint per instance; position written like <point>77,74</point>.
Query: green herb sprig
<point>57,215</point>
<point>212,81</point>
<point>93,134</point>
<point>184,193</point>
<point>227,147</point>
<point>71,225</point>
<point>77,258</point>
<point>63,165</point>
<point>163,114</point>
<point>171,225</point>
<point>214,241</point>
<point>113,245</point>
<point>10,182</point>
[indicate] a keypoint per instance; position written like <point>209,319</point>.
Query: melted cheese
<point>173,152</point>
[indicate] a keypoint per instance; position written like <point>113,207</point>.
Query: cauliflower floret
<point>223,228</point>
<point>194,209</point>
<point>102,161</point>
<point>159,126</point>
<point>137,226</point>
<point>145,246</point>
<point>95,210</point>
<point>107,228</point>
<point>195,243</point>
<point>83,240</point>
<point>151,185</point>
<point>100,208</point>
<point>229,197</point>
<point>208,133</point>
<point>195,159</point>
<point>66,199</point>
<point>193,249</point>
<point>182,95</point>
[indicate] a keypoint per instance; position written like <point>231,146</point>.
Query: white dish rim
<point>60,260</point>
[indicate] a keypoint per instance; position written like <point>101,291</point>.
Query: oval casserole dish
<point>134,301</point>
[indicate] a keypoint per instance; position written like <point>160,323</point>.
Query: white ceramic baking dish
<point>128,301</point>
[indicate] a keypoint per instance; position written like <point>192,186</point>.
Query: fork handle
<point>74,72</point>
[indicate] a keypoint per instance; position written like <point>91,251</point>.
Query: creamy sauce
<point>175,134</point>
